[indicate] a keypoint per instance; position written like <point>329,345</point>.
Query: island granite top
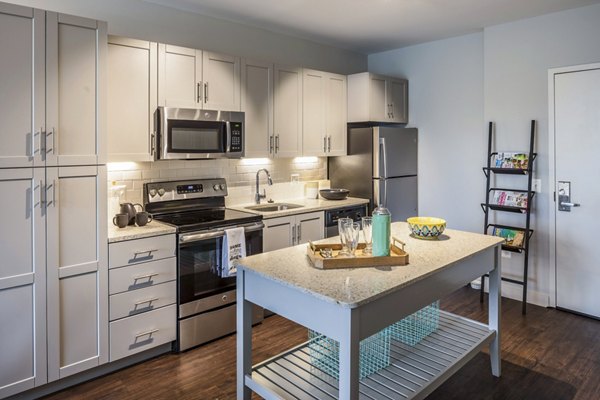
<point>355,287</point>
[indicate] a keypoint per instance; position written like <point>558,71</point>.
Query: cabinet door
<point>75,90</point>
<point>257,104</point>
<point>378,102</point>
<point>22,281</point>
<point>310,227</point>
<point>22,45</point>
<point>221,75</point>
<point>179,77</point>
<point>132,98</point>
<point>77,270</point>
<point>287,125</point>
<point>336,115</point>
<point>278,233</point>
<point>398,98</point>
<point>314,97</point>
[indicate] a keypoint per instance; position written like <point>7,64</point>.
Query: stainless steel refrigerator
<point>381,165</point>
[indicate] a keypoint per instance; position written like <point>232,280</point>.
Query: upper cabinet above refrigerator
<point>377,98</point>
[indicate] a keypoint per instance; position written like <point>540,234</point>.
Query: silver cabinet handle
<point>294,235</point>
<point>147,276</point>
<point>41,199</point>
<point>565,204</point>
<point>324,144</point>
<point>299,234</point>
<point>148,252</point>
<point>392,109</point>
<point>34,149</point>
<point>51,133</point>
<point>145,301</point>
<point>198,92</point>
<point>270,144</point>
<point>152,143</point>
<point>53,187</point>
<point>277,143</point>
<point>329,144</point>
<point>147,333</point>
<point>206,92</point>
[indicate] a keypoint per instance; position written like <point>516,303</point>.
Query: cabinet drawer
<point>142,275</point>
<point>141,250</point>
<point>138,301</point>
<point>142,332</point>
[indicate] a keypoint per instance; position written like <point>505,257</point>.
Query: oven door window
<point>200,266</point>
<point>196,136</point>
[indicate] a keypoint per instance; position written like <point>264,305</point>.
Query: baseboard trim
<point>515,292</point>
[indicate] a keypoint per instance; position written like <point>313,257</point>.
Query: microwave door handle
<point>228,130</point>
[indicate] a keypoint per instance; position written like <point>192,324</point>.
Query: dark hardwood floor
<point>548,354</point>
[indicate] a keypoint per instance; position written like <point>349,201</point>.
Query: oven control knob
<point>222,186</point>
<point>161,192</point>
<point>152,192</point>
<point>216,187</point>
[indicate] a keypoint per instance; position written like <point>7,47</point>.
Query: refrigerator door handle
<point>383,156</point>
<point>385,191</point>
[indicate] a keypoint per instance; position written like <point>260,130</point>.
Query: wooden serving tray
<point>397,257</point>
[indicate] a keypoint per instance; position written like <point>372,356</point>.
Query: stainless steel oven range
<point>206,301</point>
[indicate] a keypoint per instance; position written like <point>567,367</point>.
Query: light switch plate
<point>506,254</point>
<point>536,185</point>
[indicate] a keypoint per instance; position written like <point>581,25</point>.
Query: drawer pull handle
<point>224,298</point>
<point>147,333</point>
<point>147,252</point>
<point>148,276</point>
<point>149,301</point>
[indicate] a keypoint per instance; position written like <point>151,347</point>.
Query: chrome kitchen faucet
<point>259,196</point>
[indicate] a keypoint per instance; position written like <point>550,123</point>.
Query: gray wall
<point>139,19</point>
<point>515,58</point>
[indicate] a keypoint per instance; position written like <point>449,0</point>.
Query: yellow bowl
<point>426,227</point>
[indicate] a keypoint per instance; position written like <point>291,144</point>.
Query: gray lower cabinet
<point>143,290</point>
<point>282,232</point>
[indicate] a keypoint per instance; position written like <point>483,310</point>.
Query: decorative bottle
<point>382,220</point>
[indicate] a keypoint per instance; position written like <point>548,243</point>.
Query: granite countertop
<point>308,205</point>
<point>154,228</point>
<point>354,287</point>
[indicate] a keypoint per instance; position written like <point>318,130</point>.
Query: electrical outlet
<point>506,254</point>
<point>536,185</point>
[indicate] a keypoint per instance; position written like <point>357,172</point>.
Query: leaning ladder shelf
<point>489,206</point>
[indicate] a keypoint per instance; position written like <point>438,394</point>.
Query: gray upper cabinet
<point>257,104</point>
<point>22,281</point>
<point>132,98</point>
<point>75,90</point>
<point>287,111</point>
<point>77,269</point>
<point>377,98</point>
<point>324,114</point>
<point>22,67</point>
<point>190,78</point>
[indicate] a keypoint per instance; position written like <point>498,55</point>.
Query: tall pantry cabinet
<point>53,269</point>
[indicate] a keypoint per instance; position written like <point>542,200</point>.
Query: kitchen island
<point>349,305</point>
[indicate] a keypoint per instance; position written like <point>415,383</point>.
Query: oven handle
<point>212,234</point>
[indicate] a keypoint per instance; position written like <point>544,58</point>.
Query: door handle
<point>199,92</point>
<point>206,92</point>
<point>324,144</point>
<point>270,144</point>
<point>277,143</point>
<point>566,204</point>
<point>329,144</point>
<point>564,197</point>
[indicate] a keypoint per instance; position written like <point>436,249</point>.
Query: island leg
<point>244,339</point>
<point>349,356</point>
<point>494,311</point>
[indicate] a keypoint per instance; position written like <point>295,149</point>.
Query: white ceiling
<point>370,26</point>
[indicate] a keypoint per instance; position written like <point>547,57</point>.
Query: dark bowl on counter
<point>334,194</point>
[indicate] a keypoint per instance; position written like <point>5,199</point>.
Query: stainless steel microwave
<point>186,133</point>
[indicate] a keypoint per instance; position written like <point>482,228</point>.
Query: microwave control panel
<point>236,137</point>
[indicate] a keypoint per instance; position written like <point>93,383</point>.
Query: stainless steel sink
<point>274,207</point>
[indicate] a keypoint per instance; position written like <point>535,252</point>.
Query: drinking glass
<point>352,235</point>
<point>367,228</point>
<point>342,232</point>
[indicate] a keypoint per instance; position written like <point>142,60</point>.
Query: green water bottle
<point>382,219</point>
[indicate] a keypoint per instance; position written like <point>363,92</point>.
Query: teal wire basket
<point>414,328</point>
<point>374,353</point>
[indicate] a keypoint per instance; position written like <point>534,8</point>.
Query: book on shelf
<point>510,198</point>
<point>510,159</point>
<point>513,237</point>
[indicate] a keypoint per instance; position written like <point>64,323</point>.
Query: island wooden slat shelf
<point>411,372</point>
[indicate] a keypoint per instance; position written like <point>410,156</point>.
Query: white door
<point>132,98</point>
<point>22,281</point>
<point>310,227</point>
<point>398,99</point>
<point>278,233</point>
<point>314,137</point>
<point>287,124</point>
<point>221,76</point>
<point>257,104</point>
<point>22,49</point>
<point>336,115</point>
<point>179,77</point>
<point>75,90</point>
<point>577,145</point>
<point>77,269</point>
